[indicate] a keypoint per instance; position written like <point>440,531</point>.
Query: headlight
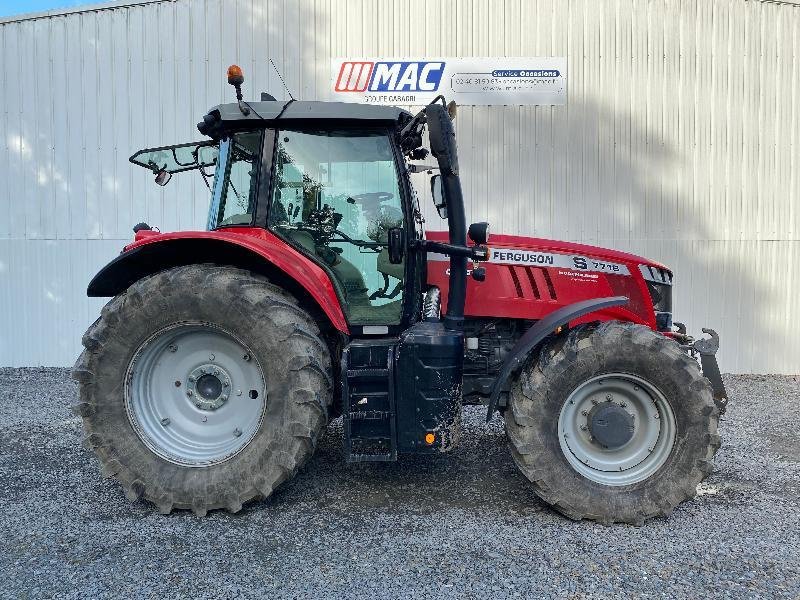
<point>479,233</point>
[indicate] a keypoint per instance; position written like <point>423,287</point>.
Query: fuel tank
<point>528,278</point>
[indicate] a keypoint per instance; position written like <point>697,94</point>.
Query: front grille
<point>659,284</point>
<point>656,274</point>
<point>664,321</point>
<point>661,295</point>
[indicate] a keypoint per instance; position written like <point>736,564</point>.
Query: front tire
<point>203,387</point>
<point>613,423</point>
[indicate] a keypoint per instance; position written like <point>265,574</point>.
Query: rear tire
<point>662,460</point>
<point>150,435</point>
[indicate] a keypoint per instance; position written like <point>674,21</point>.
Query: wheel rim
<point>195,394</point>
<point>616,429</point>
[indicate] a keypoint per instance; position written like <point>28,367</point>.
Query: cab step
<point>369,401</point>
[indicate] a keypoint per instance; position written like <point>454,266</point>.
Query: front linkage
<point>707,349</point>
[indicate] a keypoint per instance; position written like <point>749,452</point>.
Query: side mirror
<point>437,191</point>
<point>163,177</point>
<point>396,245</point>
<point>452,109</point>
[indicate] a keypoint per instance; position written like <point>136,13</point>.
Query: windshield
<point>178,158</point>
<point>234,193</point>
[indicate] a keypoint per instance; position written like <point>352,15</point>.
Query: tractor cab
<point>331,180</point>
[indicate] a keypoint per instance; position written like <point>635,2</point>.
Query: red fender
<point>152,251</point>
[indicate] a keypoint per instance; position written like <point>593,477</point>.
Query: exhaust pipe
<point>443,146</point>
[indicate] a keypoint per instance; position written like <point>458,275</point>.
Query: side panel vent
<point>550,287</point>
<point>532,282</point>
<point>517,284</point>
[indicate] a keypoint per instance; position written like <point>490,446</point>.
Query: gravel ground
<point>460,525</point>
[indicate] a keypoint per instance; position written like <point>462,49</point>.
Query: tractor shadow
<point>753,465</point>
<point>478,473</point>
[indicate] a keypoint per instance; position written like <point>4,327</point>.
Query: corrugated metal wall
<point>680,140</point>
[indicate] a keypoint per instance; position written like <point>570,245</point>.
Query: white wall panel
<point>680,140</point>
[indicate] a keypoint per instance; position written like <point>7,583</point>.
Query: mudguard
<point>248,248</point>
<point>538,332</point>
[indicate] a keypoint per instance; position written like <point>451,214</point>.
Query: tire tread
<point>310,357</point>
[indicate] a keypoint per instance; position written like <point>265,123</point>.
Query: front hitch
<point>707,349</point>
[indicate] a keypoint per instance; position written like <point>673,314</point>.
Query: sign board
<point>468,81</point>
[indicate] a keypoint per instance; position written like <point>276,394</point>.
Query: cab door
<point>335,195</point>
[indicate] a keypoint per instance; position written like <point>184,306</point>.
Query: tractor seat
<point>387,268</point>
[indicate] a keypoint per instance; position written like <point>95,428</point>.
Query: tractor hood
<point>527,278</point>
<point>542,244</point>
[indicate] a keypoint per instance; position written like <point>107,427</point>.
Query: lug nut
<point>585,413</point>
<point>205,418</point>
<point>198,404</point>
<point>165,421</point>
<point>584,428</point>
<point>238,392</point>
<point>623,404</point>
<point>226,383</point>
<point>177,383</point>
<point>173,348</point>
<point>189,393</point>
<point>609,397</point>
<point>595,401</point>
<point>237,432</point>
<point>246,357</point>
<point>211,357</point>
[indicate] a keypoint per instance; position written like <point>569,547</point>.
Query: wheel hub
<point>195,394</point>
<point>616,429</point>
<point>611,425</point>
<point>208,386</point>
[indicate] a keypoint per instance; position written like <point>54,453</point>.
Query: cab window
<point>335,195</point>
<point>235,187</point>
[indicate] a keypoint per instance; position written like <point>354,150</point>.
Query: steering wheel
<point>370,197</point>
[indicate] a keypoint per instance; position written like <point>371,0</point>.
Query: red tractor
<point>314,293</point>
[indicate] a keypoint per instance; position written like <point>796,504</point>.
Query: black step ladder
<point>369,401</point>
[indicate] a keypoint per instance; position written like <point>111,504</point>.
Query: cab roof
<point>303,110</point>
